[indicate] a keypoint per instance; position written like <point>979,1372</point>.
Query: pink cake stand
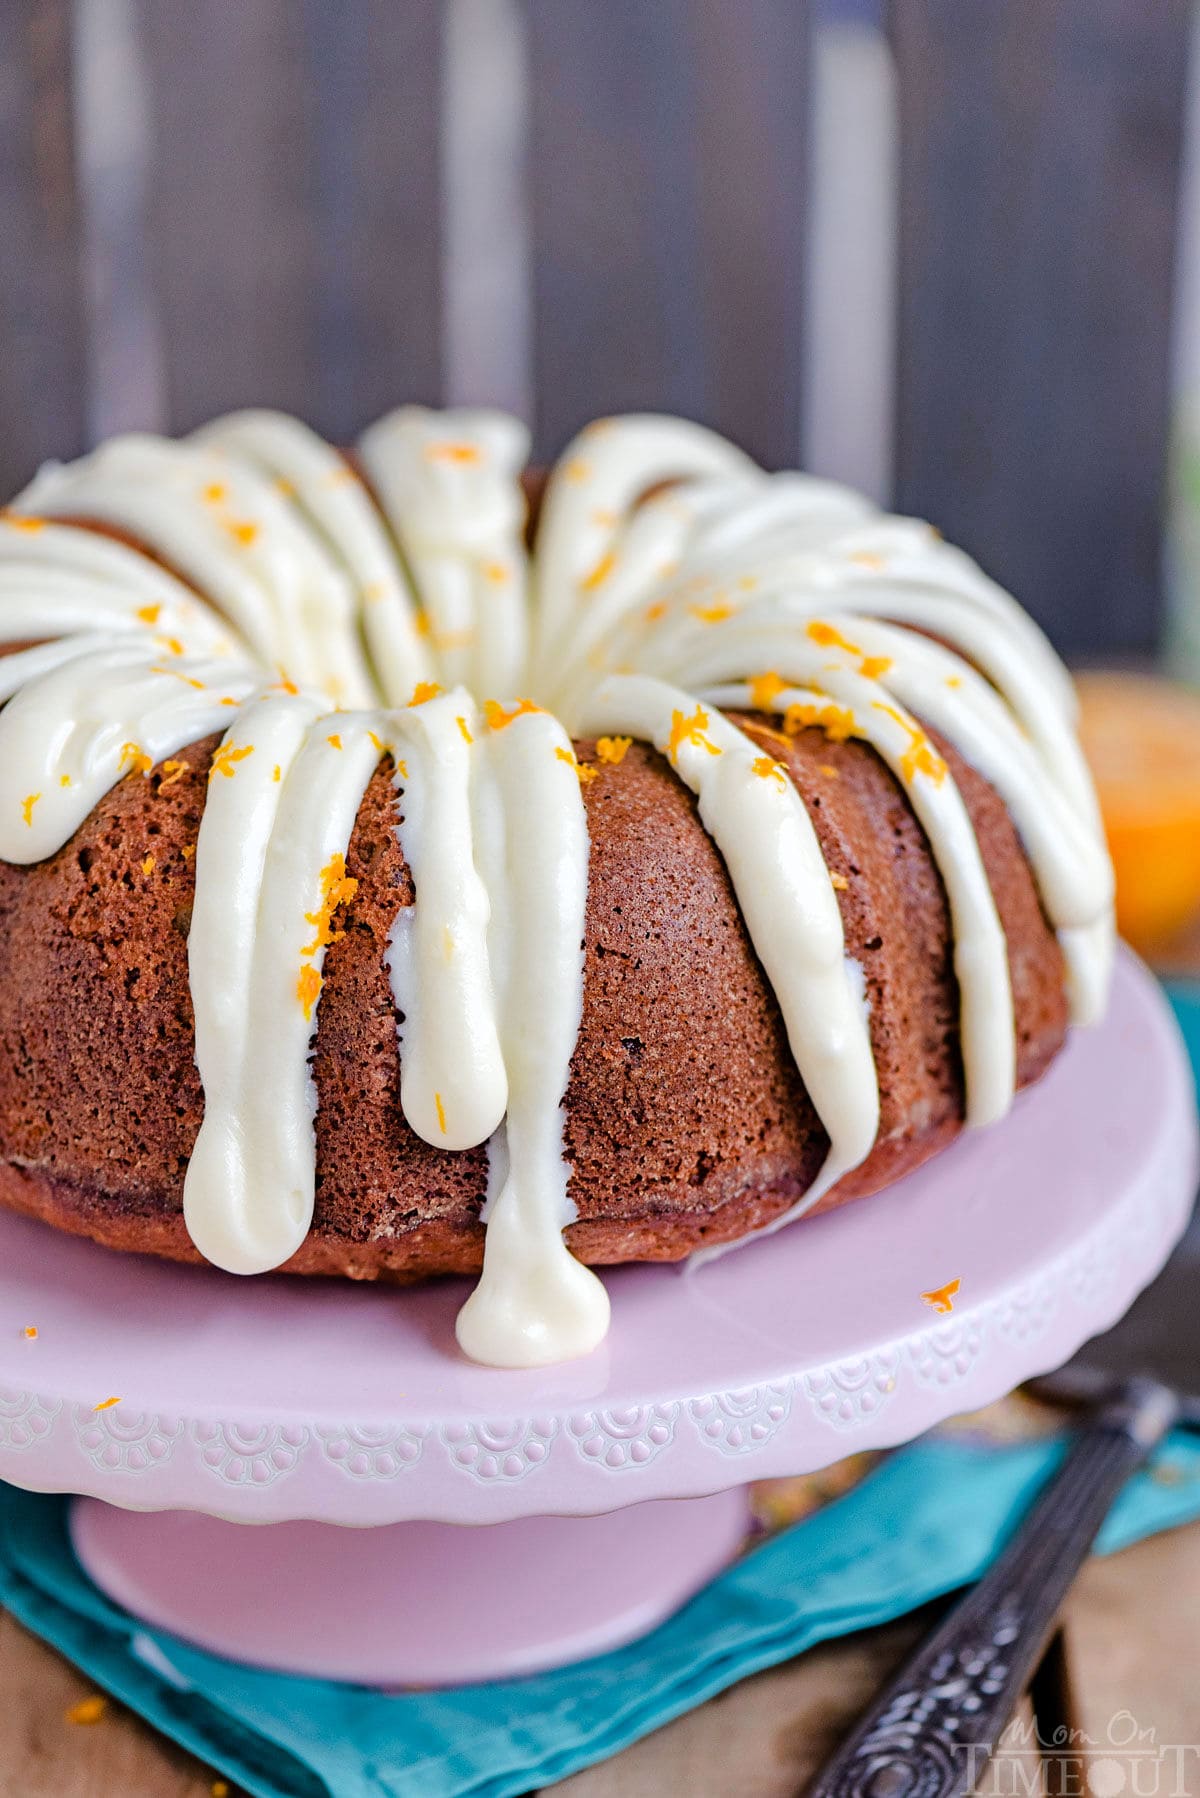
<point>609,1488</point>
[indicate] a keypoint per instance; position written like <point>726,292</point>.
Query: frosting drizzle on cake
<point>257,584</point>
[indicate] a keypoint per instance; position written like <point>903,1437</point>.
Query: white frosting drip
<point>276,847</point>
<point>332,499</point>
<point>453,1082</point>
<point>605,471</point>
<point>672,577</point>
<point>757,820</point>
<point>449,483</point>
<point>534,1303</point>
<point>225,527</point>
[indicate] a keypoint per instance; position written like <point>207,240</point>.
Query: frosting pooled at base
<point>670,578</point>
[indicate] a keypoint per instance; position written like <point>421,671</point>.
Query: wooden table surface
<point>1132,1635</point>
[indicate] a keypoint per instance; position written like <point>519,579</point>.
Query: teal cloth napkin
<point>927,1520</point>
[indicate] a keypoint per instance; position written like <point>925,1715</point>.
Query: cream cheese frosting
<point>251,581</point>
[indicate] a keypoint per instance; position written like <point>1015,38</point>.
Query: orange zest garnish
<point>337,888</point>
<point>585,773</point>
<point>334,742</point>
<point>148,865</point>
<point>767,768</point>
<point>149,614</point>
<point>106,1404</point>
<point>441,1112</point>
<point>27,805</point>
<point>599,573</point>
<point>286,685</point>
<point>424,691</point>
<point>920,757</point>
<point>689,730</point>
<point>64,780</point>
<point>88,1710</point>
<point>941,1299</point>
<point>838,722</point>
<point>226,759</point>
<point>307,988</point>
<point>134,759</point>
<point>497,572</point>
<point>828,771</point>
<point>873,667</point>
<point>498,717</point>
<point>653,613</point>
<point>763,689</point>
<point>577,470</point>
<point>612,750</point>
<point>839,883</point>
<point>171,772</point>
<point>829,637</point>
<point>465,453</point>
<point>463,727</point>
<point>215,493</point>
<point>30,1332</point>
<point>714,614</point>
<point>243,533</point>
<point>187,852</point>
<point>16,522</point>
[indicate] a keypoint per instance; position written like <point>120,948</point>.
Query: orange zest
<point>920,757</point>
<point>767,768</point>
<point>88,1710</point>
<point>424,691</point>
<point>134,759</point>
<point>763,689</point>
<point>612,750</point>
<point>337,888</point>
<point>689,730</point>
<point>171,772</point>
<point>226,758</point>
<point>599,573</point>
<point>498,718</point>
<point>307,989</point>
<point>27,805</point>
<point>838,722</point>
<point>941,1298</point>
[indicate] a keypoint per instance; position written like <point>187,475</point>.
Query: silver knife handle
<point>933,1728</point>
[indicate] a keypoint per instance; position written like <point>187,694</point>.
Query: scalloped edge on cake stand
<point>609,1489</point>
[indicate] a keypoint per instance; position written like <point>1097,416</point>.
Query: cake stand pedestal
<point>609,1488</point>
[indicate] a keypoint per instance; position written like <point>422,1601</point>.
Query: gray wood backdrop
<point>311,205</point>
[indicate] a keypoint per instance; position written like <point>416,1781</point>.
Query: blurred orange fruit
<point>1142,738</point>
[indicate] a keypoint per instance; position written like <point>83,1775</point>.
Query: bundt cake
<point>390,889</point>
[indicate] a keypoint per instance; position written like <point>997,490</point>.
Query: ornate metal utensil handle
<point>932,1729</point>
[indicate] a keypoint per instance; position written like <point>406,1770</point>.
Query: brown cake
<point>686,1120</point>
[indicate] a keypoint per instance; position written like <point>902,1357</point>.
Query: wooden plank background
<point>668,197</point>
<point>295,205</point>
<point>1039,150</point>
<point>293,234</point>
<point>42,391</point>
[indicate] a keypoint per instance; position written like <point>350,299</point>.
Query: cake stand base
<point>344,1418</point>
<point>410,1604</point>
